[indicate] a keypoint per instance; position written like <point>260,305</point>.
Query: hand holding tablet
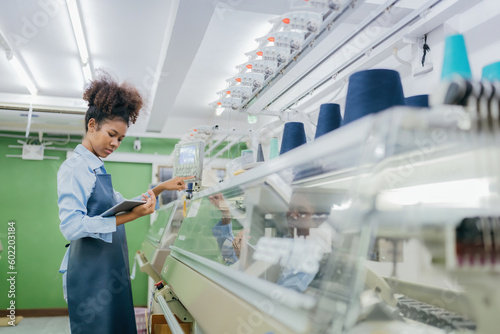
<point>122,207</point>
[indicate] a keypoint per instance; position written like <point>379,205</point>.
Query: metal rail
<point>169,316</point>
<point>309,40</point>
<point>363,25</point>
<point>415,15</point>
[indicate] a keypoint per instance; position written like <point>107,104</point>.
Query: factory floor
<point>39,325</point>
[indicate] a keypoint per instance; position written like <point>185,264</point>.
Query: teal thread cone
<point>455,60</point>
<point>491,72</point>
<point>274,150</point>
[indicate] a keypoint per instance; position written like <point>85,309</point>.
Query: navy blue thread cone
<point>371,91</point>
<point>260,154</point>
<point>294,135</point>
<point>329,118</point>
<point>418,101</point>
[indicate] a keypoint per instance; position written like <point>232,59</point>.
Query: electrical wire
<point>426,49</point>
<point>62,143</point>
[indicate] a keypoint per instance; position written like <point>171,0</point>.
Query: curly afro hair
<point>108,100</point>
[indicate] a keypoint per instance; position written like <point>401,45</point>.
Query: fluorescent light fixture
<point>462,193</point>
<point>87,72</point>
<point>78,30</point>
<point>18,67</point>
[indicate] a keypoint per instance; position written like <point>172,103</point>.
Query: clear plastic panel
<point>312,220</point>
<point>163,231</point>
<point>430,177</point>
<point>206,230</point>
<point>276,226</point>
<point>157,229</point>
<point>173,226</point>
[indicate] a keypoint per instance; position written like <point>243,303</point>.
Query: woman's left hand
<point>176,183</point>
<point>148,207</point>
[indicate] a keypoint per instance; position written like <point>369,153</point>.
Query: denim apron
<point>98,277</point>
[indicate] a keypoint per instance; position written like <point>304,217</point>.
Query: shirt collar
<point>93,161</point>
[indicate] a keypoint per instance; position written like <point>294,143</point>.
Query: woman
<point>96,279</point>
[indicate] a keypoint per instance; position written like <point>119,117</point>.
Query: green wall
<point>232,153</point>
<point>28,196</point>
<point>148,145</point>
<point>166,146</point>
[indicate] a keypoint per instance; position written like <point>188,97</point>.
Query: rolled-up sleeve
<point>75,183</point>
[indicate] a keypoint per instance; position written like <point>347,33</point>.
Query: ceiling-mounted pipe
<point>364,24</point>
<point>408,20</point>
<point>33,137</point>
<point>28,126</point>
<point>327,26</point>
<point>46,148</point>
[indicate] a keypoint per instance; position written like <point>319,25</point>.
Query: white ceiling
<point>177,52</point>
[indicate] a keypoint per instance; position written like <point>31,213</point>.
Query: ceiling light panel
<point>76,23</point>
<point>87,72</point>
<point>22,73</point>
<point>40,35</point>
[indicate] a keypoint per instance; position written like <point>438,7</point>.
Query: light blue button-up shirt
<point>75,183</point>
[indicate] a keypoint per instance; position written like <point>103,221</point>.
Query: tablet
<point>122,207</point>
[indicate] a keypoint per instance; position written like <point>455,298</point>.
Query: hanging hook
<point>395,54</point>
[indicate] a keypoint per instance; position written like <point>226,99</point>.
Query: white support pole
<point>28,126</point>
<point>207,152</point>
<point>228,146</point>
